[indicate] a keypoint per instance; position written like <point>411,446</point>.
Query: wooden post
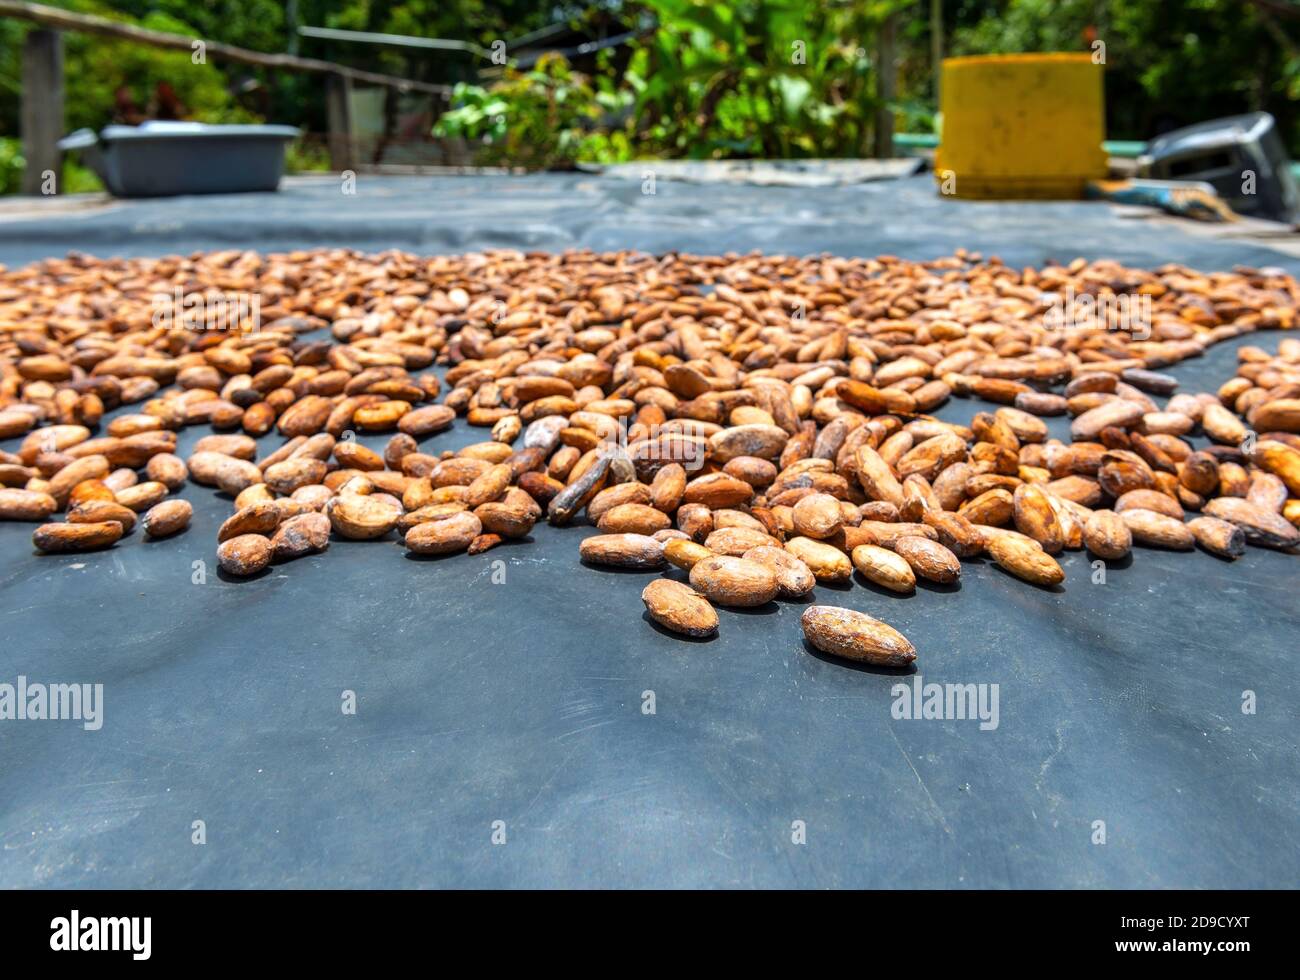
<point>291,24</point>
<point>42,110</point>
<point>338,104</point>
<point>886,79</point>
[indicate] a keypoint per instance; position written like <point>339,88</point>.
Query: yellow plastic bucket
<point>1021,126</point>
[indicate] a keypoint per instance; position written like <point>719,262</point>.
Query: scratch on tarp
<point>585,728</point>
<point>546,783</point>
<point>1053,798</point>
<point>925,789</point>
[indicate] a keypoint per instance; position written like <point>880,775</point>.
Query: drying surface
<point>510,686</point>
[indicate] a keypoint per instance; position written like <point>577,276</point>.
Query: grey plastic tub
<point>161,159</point>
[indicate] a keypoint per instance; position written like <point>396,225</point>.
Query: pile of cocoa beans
<point>762,423</point>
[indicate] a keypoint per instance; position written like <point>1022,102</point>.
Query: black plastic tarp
<point>503,733</point>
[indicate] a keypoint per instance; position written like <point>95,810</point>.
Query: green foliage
<point>96,68</point>
<point>476,114</point>
<point>1167,64</point>
<point>76,178</point>
<point>778,78</point>
<point>302,156</point>
<point>105,66</point>
<point>11,165</point>
<point>222,92</point>
<point>538,119</point>
<point>1013,26</point>
<point>771,78</point>
<point>79,180</point>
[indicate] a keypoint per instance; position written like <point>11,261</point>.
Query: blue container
<point>161,159</point>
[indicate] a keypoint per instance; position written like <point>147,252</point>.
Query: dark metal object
<point>1242,157</point>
